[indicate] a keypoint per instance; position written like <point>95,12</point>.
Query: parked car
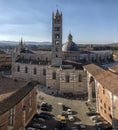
<point>45,106</point>
<point>63,119</point>
<point>71,118</point>
<point>99,128</point>
<point>74,128</point>
<point>65,108</point>
<point>92,113</point>
<point>30,128</point>
<point>64,114</point>
<point>43,103</point>
<point>98,123</point>
<point>69,111</point>
<point>63,126</point>
<point>36,125</point>
<point>45,109</point>
<point>38,119</point>
<point>82,126</point>
<point>93,117</point>
<point>41,115</point>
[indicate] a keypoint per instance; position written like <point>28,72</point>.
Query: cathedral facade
<point>59,69</point>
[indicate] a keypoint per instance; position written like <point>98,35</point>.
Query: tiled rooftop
<point>114,68</point>
<point>11,92</point>
<point>9,86</point>
<point>106,78</point>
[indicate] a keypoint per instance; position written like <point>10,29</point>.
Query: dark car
<point>48,114</point>
<point>42,116</point>
<point>45,109</point>
<point>108,128</point>
<point>39,126</point>
<point>64,107</point>
<point>99,128</point>
<point>63,126</point>
<point>92,113</point>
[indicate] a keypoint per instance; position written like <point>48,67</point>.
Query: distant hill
<point>12,43</point>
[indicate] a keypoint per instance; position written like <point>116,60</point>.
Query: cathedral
<point>61,68</point>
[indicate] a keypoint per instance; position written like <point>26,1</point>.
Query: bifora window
<point>56,42</point>
<point>57,36</point>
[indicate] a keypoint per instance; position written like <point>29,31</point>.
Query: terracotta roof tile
<point>114,68</point>
<point>15,98</point>
<point>106,78</point>
<point>8,87</point>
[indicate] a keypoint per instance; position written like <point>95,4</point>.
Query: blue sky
<point>90,21</point>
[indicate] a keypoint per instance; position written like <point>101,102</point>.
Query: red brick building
<point>17,104</point>
<point>105,86</point>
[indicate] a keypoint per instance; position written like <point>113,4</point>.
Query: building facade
<point>60,68</point>
<point>5,59</point>
<point>19,107</point>
<point>103,88</point>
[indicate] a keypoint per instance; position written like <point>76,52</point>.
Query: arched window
<point>26,70</point>
<point>54,75</point>
<point>56,42</point>
<point>18,68</point>
<point>67,78</point>
<point>80,78</point>
<point>44,72</point>
<point>57,36</point>
<point>35,71</point>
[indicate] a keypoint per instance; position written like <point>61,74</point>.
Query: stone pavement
<point>78,107</point>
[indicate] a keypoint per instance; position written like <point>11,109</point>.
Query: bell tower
<point>56,58</point>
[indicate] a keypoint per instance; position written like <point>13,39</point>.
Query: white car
<point>43,103</point>
<point>82,126</point>
<point>71,118</point>
<point>74,128</point>
<point>93,117</point>
<point>69,111</point>
<point>30,128</point>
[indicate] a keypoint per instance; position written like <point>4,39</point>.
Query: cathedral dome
<point>70,45</point>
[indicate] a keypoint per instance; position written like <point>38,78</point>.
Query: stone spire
<point>70,38</point>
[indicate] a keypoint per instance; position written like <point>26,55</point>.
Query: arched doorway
<point>91,89</point>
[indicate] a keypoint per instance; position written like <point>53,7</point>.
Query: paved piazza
<point>78,107</point>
